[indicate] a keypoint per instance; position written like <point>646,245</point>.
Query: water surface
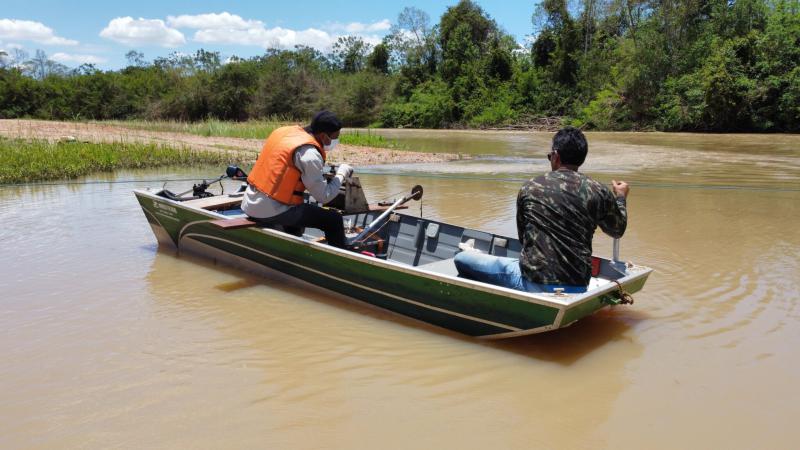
<point>110,342</point>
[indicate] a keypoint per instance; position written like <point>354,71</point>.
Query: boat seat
<point>444,266</point>
<point>243,222</point>
<point>233,224</point>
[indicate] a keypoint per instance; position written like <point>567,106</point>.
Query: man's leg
<point>305,215</point>
<point>327,220</point>
<point>490,269</point>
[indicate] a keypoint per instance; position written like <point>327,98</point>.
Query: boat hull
<point>471,308</point>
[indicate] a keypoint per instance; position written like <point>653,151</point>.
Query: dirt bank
<point>249,148</point>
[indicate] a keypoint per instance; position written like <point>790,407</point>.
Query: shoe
<point>468,246</point>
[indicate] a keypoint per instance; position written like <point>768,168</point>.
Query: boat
<point>396,261</point>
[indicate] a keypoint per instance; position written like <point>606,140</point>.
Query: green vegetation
<point>368,139</point>
<point>711,65</point>
<point>251,129</point>
<point>23,161</point>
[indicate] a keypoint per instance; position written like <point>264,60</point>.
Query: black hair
<point>571,146</point>
<point>324,122</point>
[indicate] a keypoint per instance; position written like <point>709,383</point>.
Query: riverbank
<point>38,160</point>
<point>245,149</point>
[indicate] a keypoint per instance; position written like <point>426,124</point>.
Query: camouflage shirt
<point>557,214</point>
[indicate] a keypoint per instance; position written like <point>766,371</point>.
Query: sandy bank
<point>249,148</point>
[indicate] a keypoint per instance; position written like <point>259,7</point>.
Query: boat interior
<point>414,241</point>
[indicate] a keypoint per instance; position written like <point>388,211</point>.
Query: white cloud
<point>232,29</point>
<point>267,38</point>
<point>358,27</point>
<point>7,47</point>
<point>130,31</point>
<point>27,30</point>
<point>66,58</point>
<point>223,20</point>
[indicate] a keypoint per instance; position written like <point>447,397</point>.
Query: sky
<point>102,32</point>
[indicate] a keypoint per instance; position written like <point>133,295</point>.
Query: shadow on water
<point>564,346</point>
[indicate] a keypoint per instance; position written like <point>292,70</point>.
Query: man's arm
<point>615,221</point>
<point>309,161</point>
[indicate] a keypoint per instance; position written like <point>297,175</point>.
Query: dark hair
<point>571,146</point>
<point>325,122</point>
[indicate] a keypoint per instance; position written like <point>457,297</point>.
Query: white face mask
<point>332,145</point>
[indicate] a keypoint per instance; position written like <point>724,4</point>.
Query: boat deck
<point>414,241</point>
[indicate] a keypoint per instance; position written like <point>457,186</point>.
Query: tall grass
<point>252,129</point>
<point>23,161</point>
<point>368,139</point>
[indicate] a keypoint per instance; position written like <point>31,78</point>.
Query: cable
<point>66,183</point>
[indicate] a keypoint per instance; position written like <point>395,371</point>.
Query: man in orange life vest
<point>291,162</point>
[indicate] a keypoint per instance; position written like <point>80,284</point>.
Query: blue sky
<point>101,32</point>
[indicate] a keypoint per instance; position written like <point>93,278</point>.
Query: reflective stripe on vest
<point>275,173</point>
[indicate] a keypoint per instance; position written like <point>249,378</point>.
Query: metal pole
<point>368,228</point>
<point>416,194</point>
<point>615,258</point>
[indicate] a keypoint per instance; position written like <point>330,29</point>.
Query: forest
<point>671,65</point>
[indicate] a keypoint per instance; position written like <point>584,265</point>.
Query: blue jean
<point>504,272</point>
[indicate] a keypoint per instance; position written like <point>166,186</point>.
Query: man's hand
<point>620,188</point>
<point>345,170</point>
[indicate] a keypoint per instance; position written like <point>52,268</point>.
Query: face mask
<point>332,145</point>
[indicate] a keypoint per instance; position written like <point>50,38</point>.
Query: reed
<point>25,161</point>
<point>251,129</point>
<point>368,139</point>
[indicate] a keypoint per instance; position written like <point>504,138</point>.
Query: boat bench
<point>233,224</point>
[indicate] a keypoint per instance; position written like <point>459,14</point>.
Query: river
<point>108,341</point>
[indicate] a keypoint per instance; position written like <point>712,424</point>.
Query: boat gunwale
<point>552,300</point>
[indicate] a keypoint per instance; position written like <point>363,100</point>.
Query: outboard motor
<point>235,173</point>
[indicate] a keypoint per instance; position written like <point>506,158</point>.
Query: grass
<point>368,139</point>
<point>25,161</point>
<point>252,129</point>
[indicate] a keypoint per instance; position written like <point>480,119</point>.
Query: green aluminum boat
<point>395,261</point>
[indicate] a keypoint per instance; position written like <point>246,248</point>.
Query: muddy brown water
<point>107,341</point>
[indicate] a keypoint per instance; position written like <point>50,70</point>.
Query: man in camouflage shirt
<point>557,214</point>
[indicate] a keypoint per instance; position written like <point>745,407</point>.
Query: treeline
<point>694,65</point>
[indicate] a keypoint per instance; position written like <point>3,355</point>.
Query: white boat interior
<point>417,242</point>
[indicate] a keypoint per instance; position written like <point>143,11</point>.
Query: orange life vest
<point>275,173</point>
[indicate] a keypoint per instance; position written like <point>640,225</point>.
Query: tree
<point>232,90</point>
<point>465,33</point>
<point>40,66</point>
<point>379,58</point>
<point>415,50</point>
<point>135,59</point>
<point>413,39</point>
<point>350,53</point>
<point>466,14</point>
<point>206,61</point>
